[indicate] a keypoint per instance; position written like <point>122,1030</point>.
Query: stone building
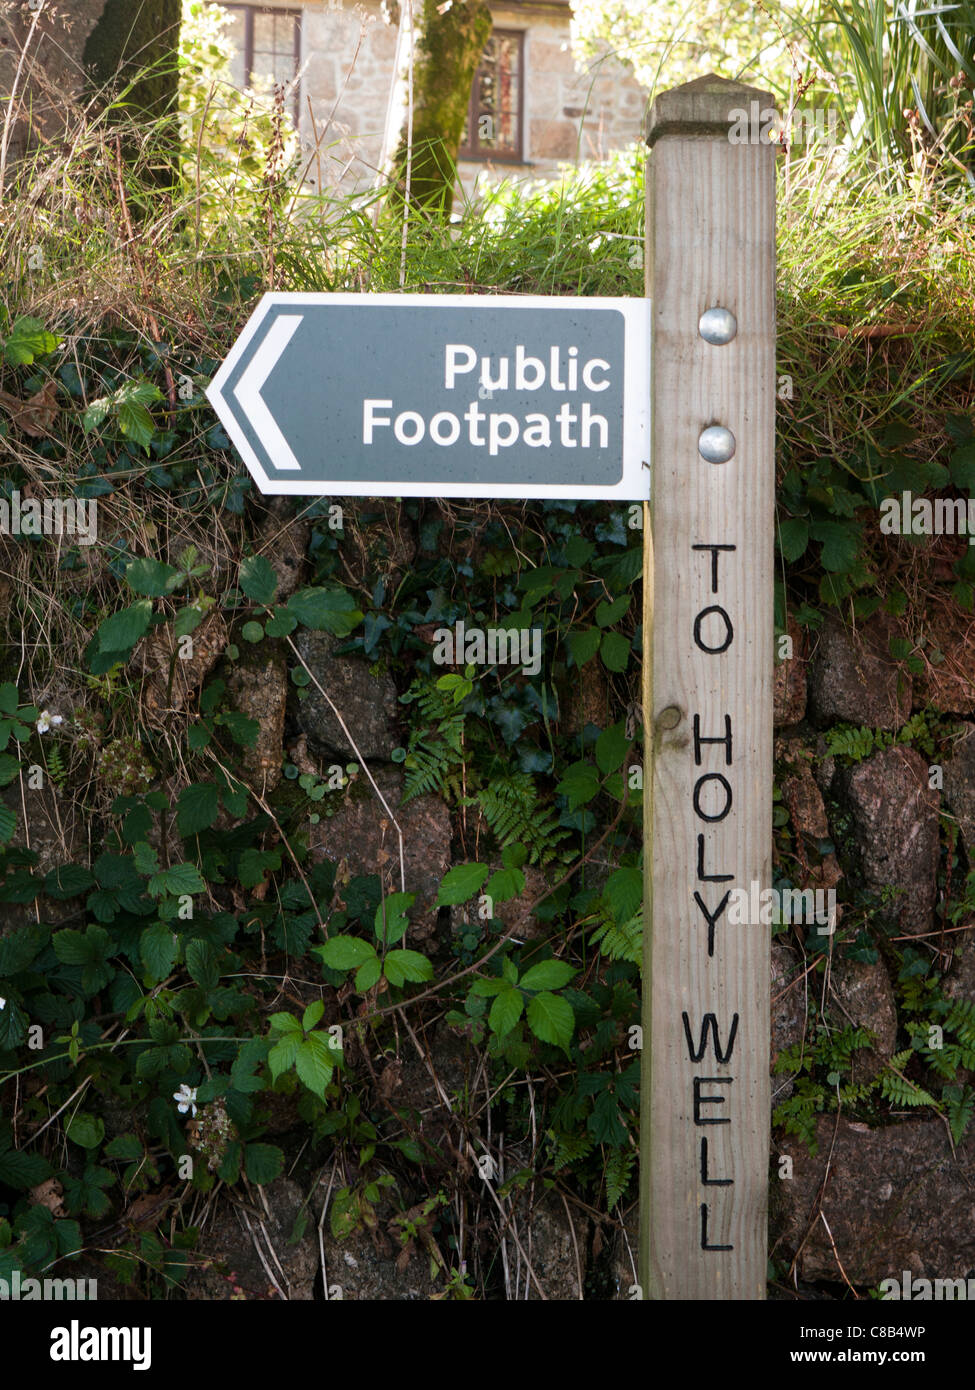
<point>532,108</point>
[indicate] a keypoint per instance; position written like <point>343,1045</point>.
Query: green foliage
<point>203,947</point>
<point>901,75</point>
<point>516,815</point>
<point>300,1045</point>
<point>925,731</point>
<point>27,340</point>
<point>234,143</point>
<point>668,42</point>
<point>549,1014</point>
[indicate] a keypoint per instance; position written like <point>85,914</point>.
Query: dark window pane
<point>494,121</point>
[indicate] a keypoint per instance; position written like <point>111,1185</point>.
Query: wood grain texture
<point>710,242</point>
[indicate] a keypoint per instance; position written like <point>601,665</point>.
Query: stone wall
<point>876,1198</point>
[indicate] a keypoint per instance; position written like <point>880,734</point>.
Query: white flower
<point>185,1098</point>
<point>48,720</point>
<point>3,1003</point>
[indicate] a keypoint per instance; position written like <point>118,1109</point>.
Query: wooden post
<point>708,694</point>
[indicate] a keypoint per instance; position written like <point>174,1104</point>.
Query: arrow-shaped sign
<point>441,395</point>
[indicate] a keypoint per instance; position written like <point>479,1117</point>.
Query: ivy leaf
<point>551,1019</point>
<point>461,883</point>
<point>258,580</point>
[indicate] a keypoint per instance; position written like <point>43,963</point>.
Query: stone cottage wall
<point>348,63</point>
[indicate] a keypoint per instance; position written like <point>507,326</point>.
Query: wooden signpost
<point>708,625</point>
<point>668,399</point>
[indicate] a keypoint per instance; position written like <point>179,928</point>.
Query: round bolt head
<point>716,444</point>
<point>717,326</point>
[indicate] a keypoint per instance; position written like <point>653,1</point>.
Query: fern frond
<point>619,1166</point>
<point>899,1091</point>
<point>959,1107</point>
<point>961,1021</point>
<point>621,941</point>
<point>511,809</point>
<point>569,1148</point>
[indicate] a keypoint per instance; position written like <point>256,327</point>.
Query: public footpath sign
<point>668,400</point>
<point>412,395</point>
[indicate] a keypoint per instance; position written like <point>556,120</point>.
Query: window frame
<point>249,11</point>
<point>473,151</point>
